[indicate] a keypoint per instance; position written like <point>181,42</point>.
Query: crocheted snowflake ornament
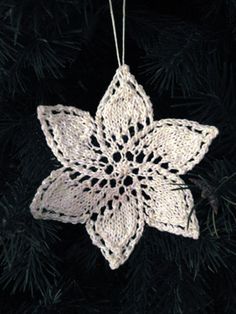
<point>121,169</point>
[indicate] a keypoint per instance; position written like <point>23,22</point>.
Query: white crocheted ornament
<point>121,169</point>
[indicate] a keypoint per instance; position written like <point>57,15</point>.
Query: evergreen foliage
<point>62,51</point>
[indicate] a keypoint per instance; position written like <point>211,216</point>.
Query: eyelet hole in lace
<point>102,183</point>
<point>129,156</point>
<point>128,181</point>
<point>113,183</point>
<point>121,190</point>
<point>140,157</point>
<point>94,141</point>
<point>104,160</point>
<point>117,156</point>
<point>109,169</point>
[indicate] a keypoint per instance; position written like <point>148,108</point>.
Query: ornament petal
<point>124,109</point>
<point>168,202</point>
<point>70,133</point>
<point>176,144</point>
<point>68,195</point>
<point>117,229</point>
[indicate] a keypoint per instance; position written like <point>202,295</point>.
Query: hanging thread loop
<point>115,33</point>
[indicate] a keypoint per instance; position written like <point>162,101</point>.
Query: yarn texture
<point>120,169</point>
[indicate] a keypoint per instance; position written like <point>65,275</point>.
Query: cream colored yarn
<point>121,169</point>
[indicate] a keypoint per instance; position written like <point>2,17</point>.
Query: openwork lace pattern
<point>120,169</point>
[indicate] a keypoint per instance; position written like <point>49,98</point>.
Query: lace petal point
<point>123,107</point>
<point>63,197</point>
<point>68,132</point>
<point>214,131</point>
<point>116,231</point>
<point>175,229</point>
<point>167,205</point>
<point>40,109</point>
<point>177,144</point>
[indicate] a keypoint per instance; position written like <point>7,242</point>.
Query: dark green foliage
<point>27,261</point>
<point>62,51</point>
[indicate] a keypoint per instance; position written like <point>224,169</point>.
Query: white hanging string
<point>115,34</point>
<point>123,33</point>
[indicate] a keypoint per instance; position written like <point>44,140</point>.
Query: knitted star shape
<point>121,169</point>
